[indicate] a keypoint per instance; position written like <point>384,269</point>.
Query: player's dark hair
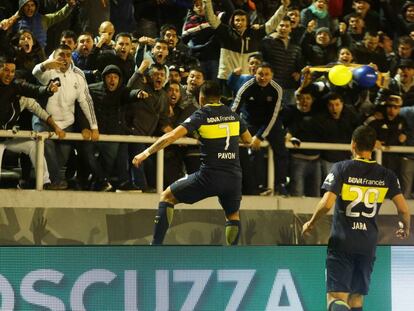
<point>364,137</point>
<point>210,89</point>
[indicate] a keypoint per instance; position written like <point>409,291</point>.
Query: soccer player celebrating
<point>219,130</point>
<point>357,188</point>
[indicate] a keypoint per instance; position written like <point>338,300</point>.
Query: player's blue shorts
<point>209,183</point>
<point>346,272</point>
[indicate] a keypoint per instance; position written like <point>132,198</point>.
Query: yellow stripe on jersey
<point>361,193</point>
<point>220,130</point>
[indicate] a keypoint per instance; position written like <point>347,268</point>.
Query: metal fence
<point>40,138</point>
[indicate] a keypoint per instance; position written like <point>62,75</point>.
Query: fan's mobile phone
<point>57,79</point>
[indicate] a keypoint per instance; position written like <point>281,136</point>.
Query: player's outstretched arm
<point>323,207</point>
<point>162,142</point>
<point>404,214</point>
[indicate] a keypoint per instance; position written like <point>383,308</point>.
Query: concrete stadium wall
<point>30,217</point>
<point>128,200</point>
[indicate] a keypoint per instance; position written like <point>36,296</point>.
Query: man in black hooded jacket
<point>108,96</point>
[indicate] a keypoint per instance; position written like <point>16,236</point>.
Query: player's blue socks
<point>338,305</point>
<point>233,229</point>
<point>356,309</point>
<point>162,222</point>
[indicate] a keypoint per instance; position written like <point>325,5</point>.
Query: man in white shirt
<point>61,106</point>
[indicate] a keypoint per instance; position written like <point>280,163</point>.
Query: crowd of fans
<point>135,67</point>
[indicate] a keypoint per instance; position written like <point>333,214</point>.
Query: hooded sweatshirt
<point>236,48</point>
<point>39,23</point>
<point>109,105</point>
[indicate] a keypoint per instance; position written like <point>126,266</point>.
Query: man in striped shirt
<point>258,102</point>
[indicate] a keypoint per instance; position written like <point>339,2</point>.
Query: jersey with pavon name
<point>218,129</point>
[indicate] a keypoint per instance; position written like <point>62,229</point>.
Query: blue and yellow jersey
<point>218,129</point>
<point>361,187</point>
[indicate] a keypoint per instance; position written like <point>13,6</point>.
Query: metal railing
<point>40,138</point>
<point>346,147</point>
